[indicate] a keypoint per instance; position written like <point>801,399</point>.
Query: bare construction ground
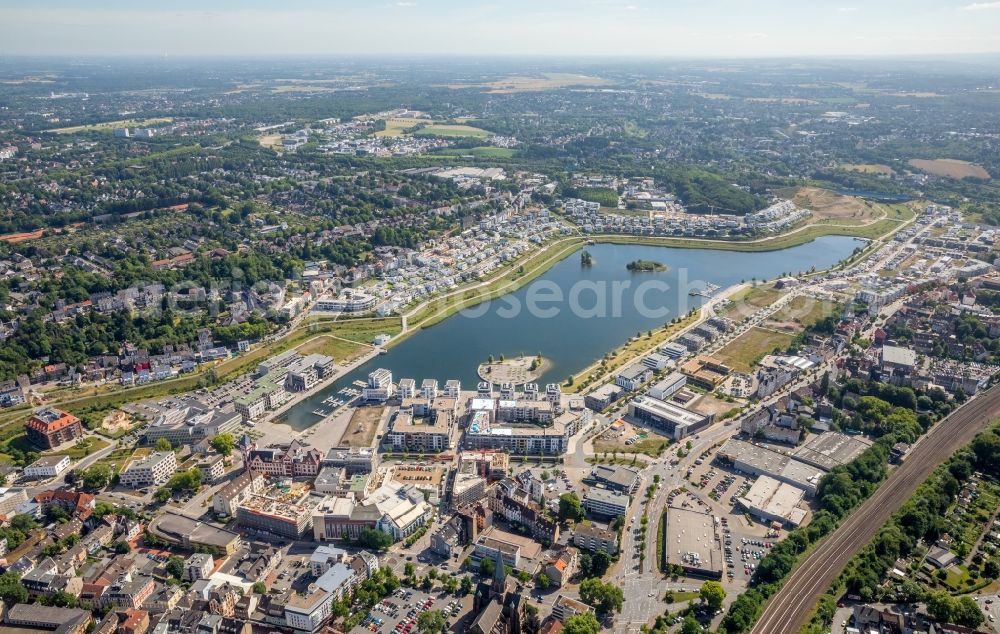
<point>363,426</point>
<point>827,204</point>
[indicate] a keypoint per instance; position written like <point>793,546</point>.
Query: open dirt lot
<point>827,204</point>
<point>950,168</point>
<point>363,426</point>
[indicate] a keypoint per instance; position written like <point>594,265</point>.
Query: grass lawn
<point>652,447</point>
<point>109,125</point>
<point>117,458</point>
<point>84,448</point>
<point>744,351</point>
<point>340,349</point>
<point>804,310</point>
<point>749,300</point>
<point>452,130</point>
<point>484,151</point>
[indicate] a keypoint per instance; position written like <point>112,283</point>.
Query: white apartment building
<point>152,470</point>
<point>47,467</point>
<point>379,387</point>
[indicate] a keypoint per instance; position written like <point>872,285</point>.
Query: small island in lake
<point>646,265</point>
<point>586,259</point>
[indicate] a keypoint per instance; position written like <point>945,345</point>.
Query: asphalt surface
<point>788,610</point>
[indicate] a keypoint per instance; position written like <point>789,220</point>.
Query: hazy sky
<point>500,27</point>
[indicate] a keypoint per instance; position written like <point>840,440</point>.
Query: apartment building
<point>152,470</point>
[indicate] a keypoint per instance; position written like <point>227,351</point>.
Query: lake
<point>573,314</point>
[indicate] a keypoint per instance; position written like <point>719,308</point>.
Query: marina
<point>572,337</point>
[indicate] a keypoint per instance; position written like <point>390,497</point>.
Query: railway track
<point>789,609</point>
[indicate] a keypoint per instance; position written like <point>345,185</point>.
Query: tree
<point>542,581</point>
<point>584,623</point>
<point>486,567</point>
<point>431,622</point>
<point>224,443</point>
<point>466,584</point>
<point>605,597</point>
<point>570,507</point>
<point>690,625</point>
<point>97,477</point>
<point>967,612</point>
<point>259,587</point>
<point>11,589</point>
<point>712,595</point>
<point>162,495</point>
<point>122,547</point>
<point>175,566</point>
<point>375,539</point>
<point>408,569</point>
<point>162,444</point>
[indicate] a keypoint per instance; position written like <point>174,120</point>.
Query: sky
<point>648,28</point>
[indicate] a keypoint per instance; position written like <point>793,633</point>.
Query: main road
<point>789,609</point>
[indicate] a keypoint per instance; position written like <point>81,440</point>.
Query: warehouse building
<point>760,461</point>
<point>693,543</point>
<point>774,501</point>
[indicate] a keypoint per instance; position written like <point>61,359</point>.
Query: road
<point>788,610</point>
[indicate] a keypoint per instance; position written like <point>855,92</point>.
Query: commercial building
<point>190,533</point>
<point>467,489</point>
<point>149,471</point>
<point>606,503</point>
<point>706,372</point>
<point>353,460</point>
<point>393,508</point>
<point>760,461</point>
<point>601,398</point>
<point>693,543</point>
<point>668,386</point>
<point>47,467</point>
<point>676,421</point>
<point>774,501</point>
<point>279,511</point>
<point>489,464</point>
<point>519,552</point>
<point>48,428</point>
<point>23,618</point>
<point>565,607</point>
<point>633,376</point>
<point>831,449</point>
<point>291,460</point>
<point>190,424</point>
<point>614,477</point>
<point>232,495</point>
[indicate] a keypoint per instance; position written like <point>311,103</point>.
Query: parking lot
<point>398,614</point>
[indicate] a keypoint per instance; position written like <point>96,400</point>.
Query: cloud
<point>981,6</point>
<point>406,4</point>
<point>847,9</point>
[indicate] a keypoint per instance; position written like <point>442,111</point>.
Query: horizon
<point>724,29</point>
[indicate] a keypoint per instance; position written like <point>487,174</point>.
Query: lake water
<point>573,314</point>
